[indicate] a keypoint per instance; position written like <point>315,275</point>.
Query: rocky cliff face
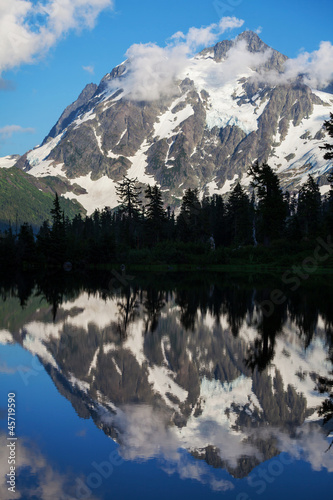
<point>205,136</point>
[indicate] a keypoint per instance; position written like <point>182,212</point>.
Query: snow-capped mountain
<point>232,104</point>
<point>157,387</point>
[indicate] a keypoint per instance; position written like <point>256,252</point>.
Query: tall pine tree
<point>309,208</point>
<point>155,215</point>
<point>188,221</point>
<point>129,198</point>
<point>239,217</point>
<point>271,209</point>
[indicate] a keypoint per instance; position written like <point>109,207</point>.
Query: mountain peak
<point>249,35</point>
<point>254,42</point>
<point>72,110</point>
<point>254,45</point>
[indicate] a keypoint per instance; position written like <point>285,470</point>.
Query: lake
<point>165,385</point>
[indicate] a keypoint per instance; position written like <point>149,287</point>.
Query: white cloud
<point>314,68</point>
<point>205,36</point>
<point>89,69</point>
<point>153,70</point>
<point>309,443</point>
<point>145,432</point>
<point>237,61</point>
<point>317,66</point>
<point>28,30</point>
<point>48,482</point>
<point>7,131</point>
<point>229,23</point>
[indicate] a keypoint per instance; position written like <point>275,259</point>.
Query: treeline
<point>142,228</point>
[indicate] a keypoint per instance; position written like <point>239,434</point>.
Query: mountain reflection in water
<point>184,363</point>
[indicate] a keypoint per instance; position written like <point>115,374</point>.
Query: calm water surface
<point>165,386</point>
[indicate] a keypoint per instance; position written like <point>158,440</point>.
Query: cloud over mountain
<point>28,30</point>
<point>153,70</point>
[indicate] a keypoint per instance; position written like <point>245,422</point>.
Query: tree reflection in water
<point>195,331</point>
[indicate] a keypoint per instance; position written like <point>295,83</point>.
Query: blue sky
<point>44,68</point>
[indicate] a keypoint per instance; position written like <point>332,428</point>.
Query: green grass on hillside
<point>24,198</point>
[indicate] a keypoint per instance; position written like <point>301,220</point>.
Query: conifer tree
<point>218,219</point>
<point>129,197</point>
<point>154,208</point>
<point>328,124</point>
<point>154,213</point>
<point>58,237</point>
<point>188,221</point>
<point>271,210</point>
<point>130,227</point>
<point>26,243</point>
<point>239,220</point>
<point>309,207</point>
<point>57,217</point>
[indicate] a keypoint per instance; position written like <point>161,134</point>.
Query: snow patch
<point>307,151</point>
<point>222,108</point>
<point>90,309</point>
<point>80,384</point>
<point>226,188</point>
<point>100,193</point>
<point>8,161</point>
<point>139,164</point>
<point>36,347</point>
<point>169,121</point>
<point>6,337</point>
<point>38,155</point>
<point>90,115</point>
<point>162,381</point>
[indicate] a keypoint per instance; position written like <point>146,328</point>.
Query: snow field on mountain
<point>222,108</point>
<point>100,193</point>
<point>227,186</point>
<point>8,161</point>
<point>162,381</point>
<point>307,150</point>
<point>90,115</point>
<point>45,168</point>
<point>139,164</point>
<point>117,367</point>
<point>37,156</point>
<point>98,140</point>
<point>169,121</point>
